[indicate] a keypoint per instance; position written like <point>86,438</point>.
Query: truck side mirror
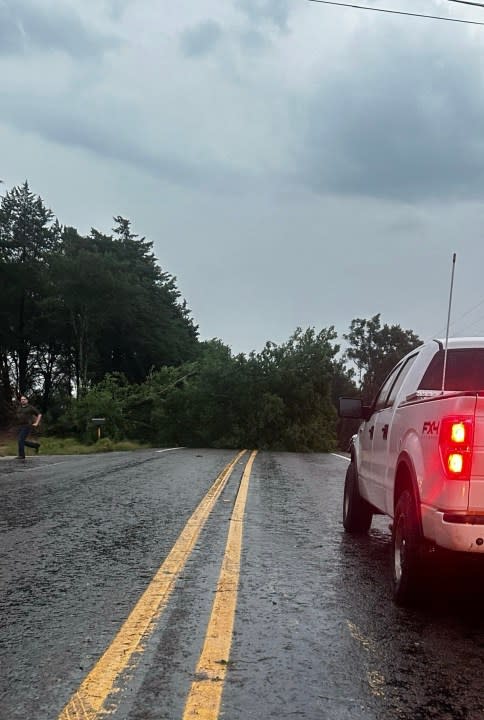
<point>353,408</point>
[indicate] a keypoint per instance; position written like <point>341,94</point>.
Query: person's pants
<point>23,433</point>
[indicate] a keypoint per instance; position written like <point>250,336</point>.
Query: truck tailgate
<point>476,490</point>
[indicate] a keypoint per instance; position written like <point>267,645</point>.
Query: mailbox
<point>98,422</point>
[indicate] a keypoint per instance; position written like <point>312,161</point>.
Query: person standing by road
<point>28,417</point>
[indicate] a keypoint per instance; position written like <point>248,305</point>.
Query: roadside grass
<point>71,446</point>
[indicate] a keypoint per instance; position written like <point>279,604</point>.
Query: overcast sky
<point>295,163</point>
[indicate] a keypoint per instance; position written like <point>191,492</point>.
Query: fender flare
<point>406,460</point>
<point>353,458</point>
<point>352,451</point>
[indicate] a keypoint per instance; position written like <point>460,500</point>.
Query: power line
<point>397,12</point>
<point>468,312</point>
<point>467,2</point>
<point>466,326</point>
<point>457,322</point>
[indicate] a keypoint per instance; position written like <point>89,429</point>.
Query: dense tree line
<point>92,326</point>
<point>280,398</point>
<point>75,308</point>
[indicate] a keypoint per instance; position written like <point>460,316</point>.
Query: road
<point>197,583</point>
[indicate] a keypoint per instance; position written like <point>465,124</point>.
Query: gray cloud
<point>204,37</point>
<point>25,26</point>
<point>276,11</point>
<point>116,8</point>
<point>200,39</point>
<point>400,116</point>
<point>66,122</point>
<point>403,119</point>
<point>253,40</point>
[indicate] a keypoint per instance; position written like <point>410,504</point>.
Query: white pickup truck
<point>418,457</point>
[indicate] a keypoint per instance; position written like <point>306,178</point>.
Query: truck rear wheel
<point>406,550</point>
<point>357,513</point>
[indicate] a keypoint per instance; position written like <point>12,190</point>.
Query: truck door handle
<point>385,431</point>
<point>371,431</point>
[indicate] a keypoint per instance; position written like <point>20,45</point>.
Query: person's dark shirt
<point>26,414</point>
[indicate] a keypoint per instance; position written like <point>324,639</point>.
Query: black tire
<point>357,513</point>
<point>407,547</point>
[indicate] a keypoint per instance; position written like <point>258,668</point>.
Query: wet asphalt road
<point>316,634</point>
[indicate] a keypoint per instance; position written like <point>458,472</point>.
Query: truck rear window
<point>465,371</point>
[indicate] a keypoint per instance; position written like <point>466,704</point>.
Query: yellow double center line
<point>206,692</point>
<point>88,702</point>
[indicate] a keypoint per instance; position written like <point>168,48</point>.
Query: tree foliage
<point>278,399</point>
<point>75,308</point>
<point>375,350</point>
<point>29,240</point>
<point>123,313</point>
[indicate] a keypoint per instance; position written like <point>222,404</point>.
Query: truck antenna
<point>448,324</point>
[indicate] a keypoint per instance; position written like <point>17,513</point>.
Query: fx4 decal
<point>430,427</point>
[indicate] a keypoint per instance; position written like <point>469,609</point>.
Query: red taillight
<point>455,442</point>
<point>458,432</point>
<point>455,463</point>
